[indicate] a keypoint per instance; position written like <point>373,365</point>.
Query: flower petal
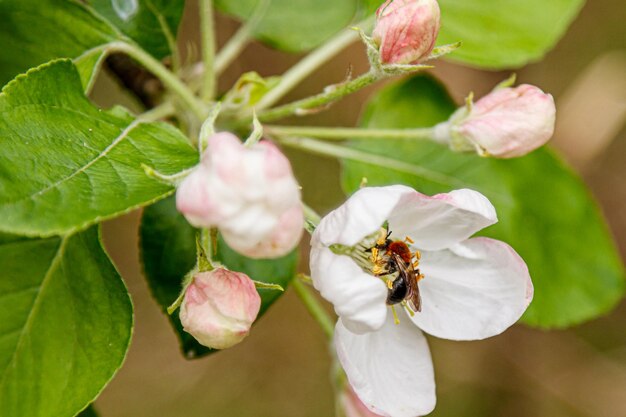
<point>391,369</point>
<point>361,215</point>
<point>442,220</point>
<point>474,290</point>
<point>357,296</point>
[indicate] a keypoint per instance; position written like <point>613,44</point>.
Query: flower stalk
<point>342,133</point>
<point>314,307</point>
<point>207,33</point>
<point>310,63</point>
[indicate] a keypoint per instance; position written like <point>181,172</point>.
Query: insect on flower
<point>394,258</point>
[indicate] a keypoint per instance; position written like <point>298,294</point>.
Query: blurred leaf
<point>149,22</point>
<point>168,250</point>
<point>88,412</point>
<point>35,31</point>
<point>66,164</point>
<point>545,211</point>
<point>504,34</point>
<point>295,25</point>
<point>65,324</point>
<point>500,34</point>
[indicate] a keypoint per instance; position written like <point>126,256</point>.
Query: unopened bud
<point>248,193</point>
<point>507,123</point>
<point>406,30</point>
<point>219,307</point>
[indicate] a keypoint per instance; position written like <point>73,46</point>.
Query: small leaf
<point>66,164</point>
<point>545,211</point>
<point>36,31</point>
<point>152,23</point>
<point>65,324</point>
<point>295,25</point>
<point>168,250</point>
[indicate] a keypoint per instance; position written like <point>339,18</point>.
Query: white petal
<point>357,296</point>
<point>391,369</point>
<point>442,220</point>
<point>362,214</point>
<point>474,290</point>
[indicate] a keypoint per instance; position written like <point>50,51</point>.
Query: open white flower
<point>472,288</point>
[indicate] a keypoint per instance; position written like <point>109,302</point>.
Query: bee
<point>394,256</point>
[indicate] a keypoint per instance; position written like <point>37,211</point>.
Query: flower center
<point>393,262</point>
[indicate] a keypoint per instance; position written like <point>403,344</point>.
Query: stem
<point>311,217</point>
<point>344,152</point>
<point>314,307</point>
<point>340,133</point>
<point>162,111</point>
<point>331,93</point>
<point>310,63</point>
<point>207,34</point>
<point>171,82</point>
<point>240,39</point>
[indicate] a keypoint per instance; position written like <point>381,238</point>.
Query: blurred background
<point>283,368</point>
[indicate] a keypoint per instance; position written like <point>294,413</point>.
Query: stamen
<point>408,309</point>
<point>396,320</point>
<point>408,240</point>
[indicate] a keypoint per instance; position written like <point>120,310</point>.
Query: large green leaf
<point>504,33</point>
<point>545,211</point>
<point>501,34</point>
<point>295,25</point>
<point>65,324</point>
<point>65,164</point>
<point>168,249</point>
<point>152,23</point>
<point>35,31</point>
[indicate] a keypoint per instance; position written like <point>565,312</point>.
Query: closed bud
<point>219,307</point>
<point>248,193</point>
<point>406,30</point>
<point>507,123</point>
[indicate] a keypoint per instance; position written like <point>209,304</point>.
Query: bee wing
<point>410,276</point>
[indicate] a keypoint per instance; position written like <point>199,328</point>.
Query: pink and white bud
<point>406,30</point>
<point>248,193</point>
<point>219,307</point>
<point>507,123</point>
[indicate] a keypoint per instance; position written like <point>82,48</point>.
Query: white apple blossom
<point>472,288</point>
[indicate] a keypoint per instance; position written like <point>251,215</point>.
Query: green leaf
<point>504,34</point>
<point>66,164</point>
<point>65,324</point>
<point>152,23</point>
<point>36,31</point>
<point>295,25</point>
<point>168,249</point>
<point>88,412</point>
<point>545,211</point>
<point>501,34</point>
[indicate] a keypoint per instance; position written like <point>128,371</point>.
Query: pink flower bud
<point>248,193</point>
<point>507,123</point>
<point>406,30</point>
<point>219,307</point>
